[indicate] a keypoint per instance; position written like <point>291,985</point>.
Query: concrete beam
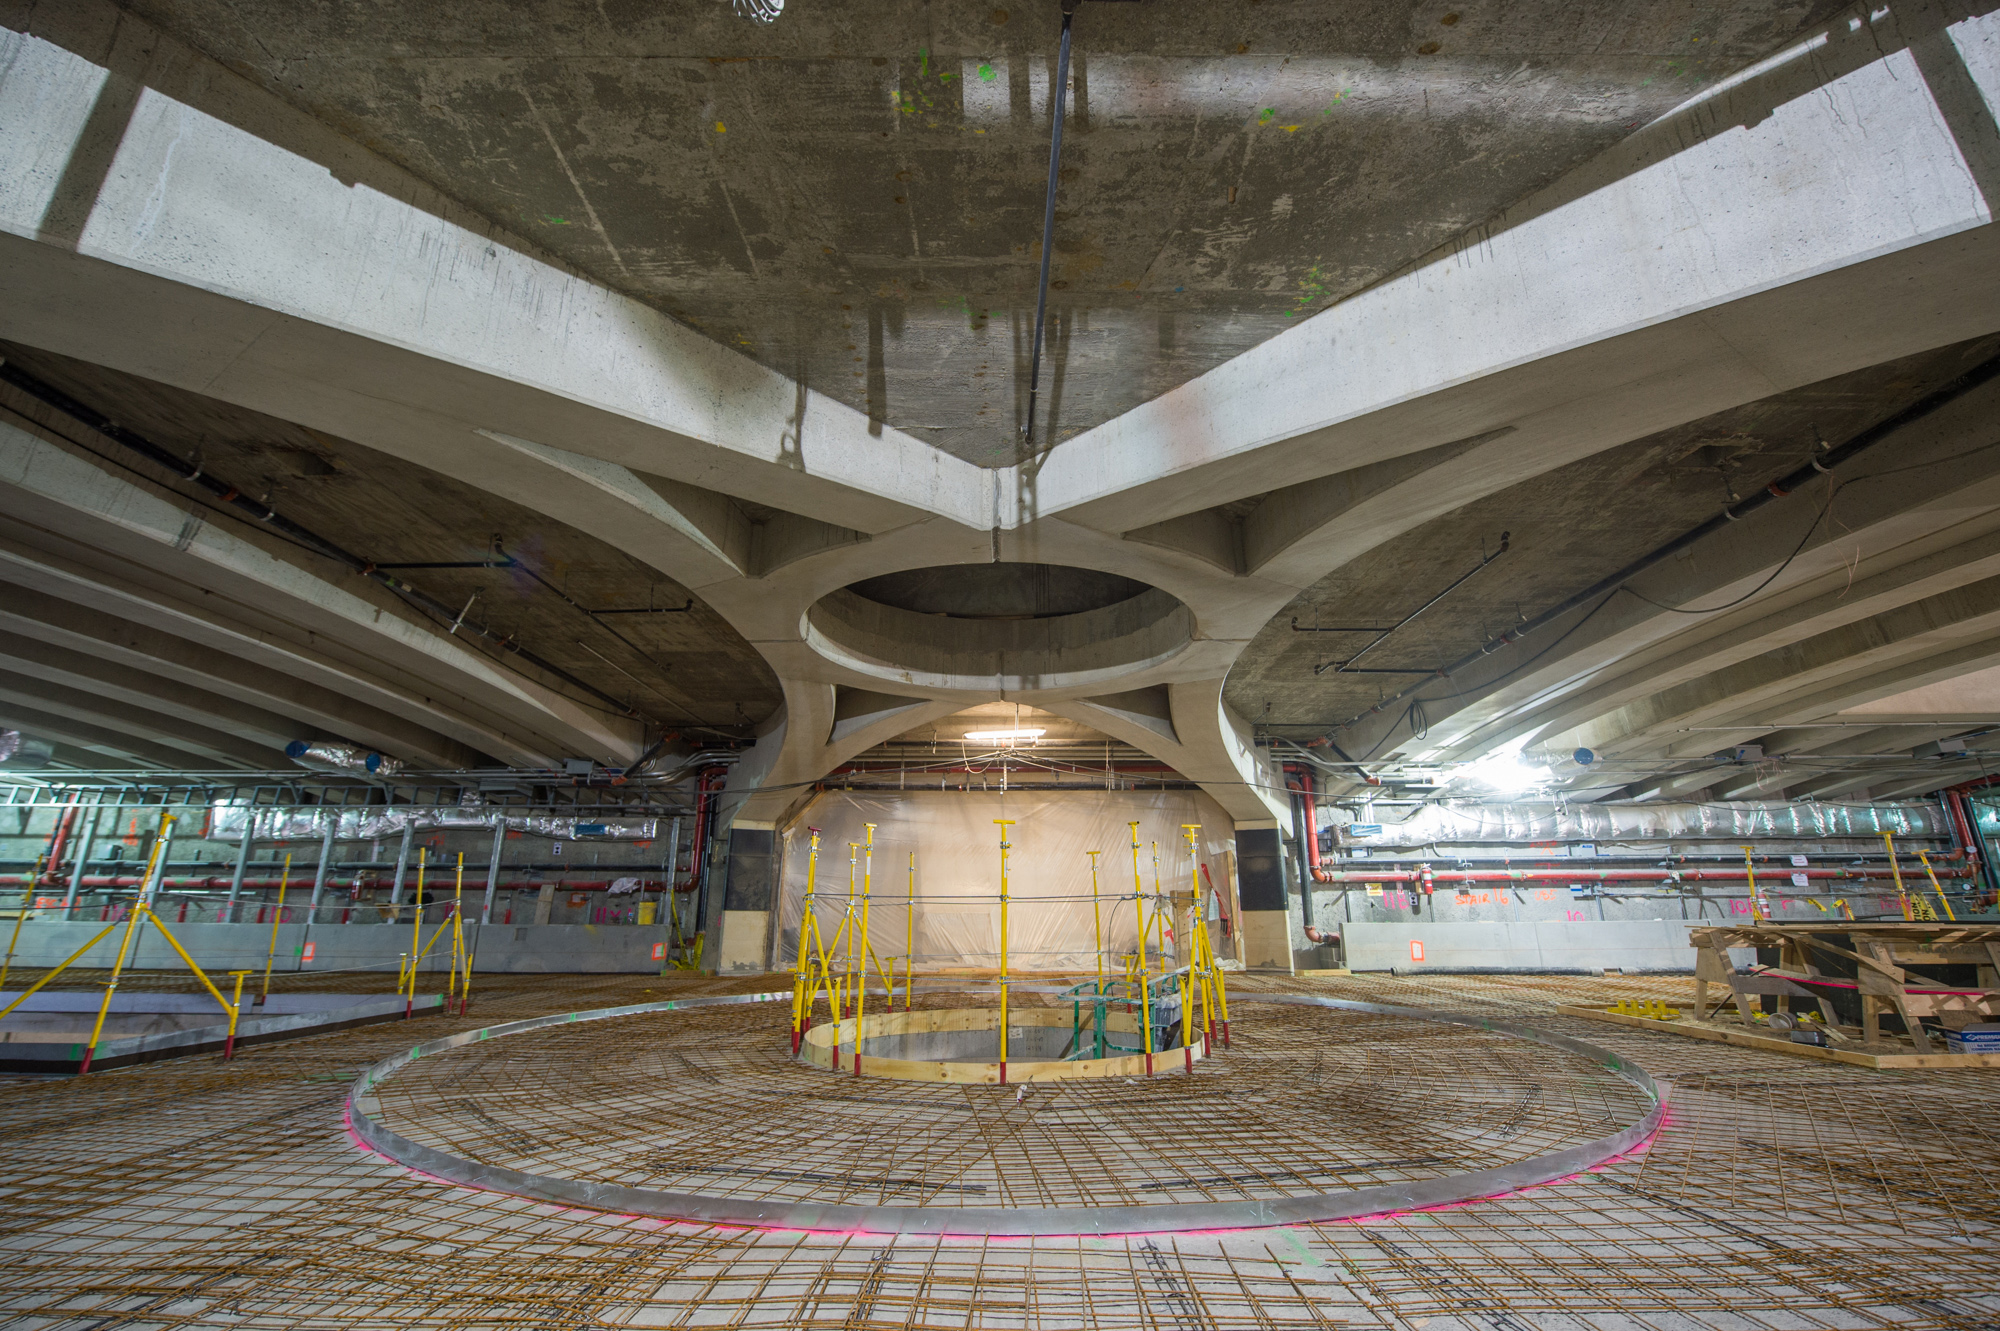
<point>113,748</point>
<point>120,683</point>
<point>1711,259</point>
<point>1897,539</point>
<point>144,722</point>
<point>265,602</point>
<point>30,618</point>
<point>417,325</point>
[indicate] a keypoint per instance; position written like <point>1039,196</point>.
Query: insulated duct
<point>1524,824</point>
<point>290,824</point>
<point>327,756</point>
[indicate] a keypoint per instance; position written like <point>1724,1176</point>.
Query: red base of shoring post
<point>1188,1049</point>
<point>857,1059</point>
<point>1225,1035</point>
<point>84,1066</point>
<point>228,1048</point>
<point>836,1051</point>
<point>1206,1049</point>
<point>1003,1072</point>
<point>1149,1065</point>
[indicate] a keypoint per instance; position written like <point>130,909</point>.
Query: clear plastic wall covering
<point>955,910</point>
<point>1458,824</point>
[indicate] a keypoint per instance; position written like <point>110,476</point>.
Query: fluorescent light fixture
<point>1003,736</point>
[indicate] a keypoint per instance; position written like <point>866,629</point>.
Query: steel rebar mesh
<point>710,1101</point>
<point>1783,1194</point>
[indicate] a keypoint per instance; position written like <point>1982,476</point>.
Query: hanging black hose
<point>1058,97</point>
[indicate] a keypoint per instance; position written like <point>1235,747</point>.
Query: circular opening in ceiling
<point>999,626</point>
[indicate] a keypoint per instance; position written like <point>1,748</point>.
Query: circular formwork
<point>1323,1109</point>
<point>962,1046</point>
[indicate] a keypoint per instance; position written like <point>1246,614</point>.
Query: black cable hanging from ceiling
<point>1058,99</point>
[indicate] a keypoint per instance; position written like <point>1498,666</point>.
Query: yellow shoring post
<point>1750,871</point>
<point>416,934</point>
<point>836,985</point>
<point>1097,919</point>
<point>1187,1010</point>
<point>1139,914</point>
<point>235,1010</point>
<point>1937,887</point>
<point>464,957</point>
<point>1902,894</point>
<point>867,943</point>
<point>125,943</point>
<point>910,935</point>
<point>809,940</point>
<point>1216,997</point>
<point>175,943</point>
<point>1003,824</point>
<point>457,900</point>
<point>465,977</point>
<point>27,896</point>
<point>1159,915</point>
<point>801,956</point>
<point>846,924</point>
<point>284,879</point>
<point>887,975</point>
<point>65,965</point>
<point>1201,953</point>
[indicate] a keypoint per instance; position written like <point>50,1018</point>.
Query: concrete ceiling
<point>683,670</point>
<point>853,194</point>
<point>852,199</point>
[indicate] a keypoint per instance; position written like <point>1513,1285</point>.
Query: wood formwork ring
<point>363,1118</point>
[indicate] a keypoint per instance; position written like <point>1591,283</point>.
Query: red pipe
<point>1305,789</point>
<point>1604,875</point>
<point>1968,844</point>
<point>130,880</point>
<point>52,866</point>
<point>707,782</point>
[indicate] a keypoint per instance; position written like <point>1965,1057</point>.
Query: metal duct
<point>293,824</point>
<point>1446,824</point>
<point>327,756</point>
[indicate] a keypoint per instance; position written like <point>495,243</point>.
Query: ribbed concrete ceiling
<point>852,198</point>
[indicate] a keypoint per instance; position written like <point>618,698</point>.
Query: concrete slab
<point>159,1026</point>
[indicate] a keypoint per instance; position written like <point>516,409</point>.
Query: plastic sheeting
<point>1449,824</point>
<point>956,915</point>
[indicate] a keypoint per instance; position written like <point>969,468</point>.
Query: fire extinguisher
<point>1425,879</point>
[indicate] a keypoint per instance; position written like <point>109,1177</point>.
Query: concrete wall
<point>1536,945</point>
<point>219,948</point>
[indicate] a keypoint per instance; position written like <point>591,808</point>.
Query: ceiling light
<point>1003,736</point>
<point>1504,773</point>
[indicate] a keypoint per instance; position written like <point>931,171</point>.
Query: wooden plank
<point>1771,1044</point>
